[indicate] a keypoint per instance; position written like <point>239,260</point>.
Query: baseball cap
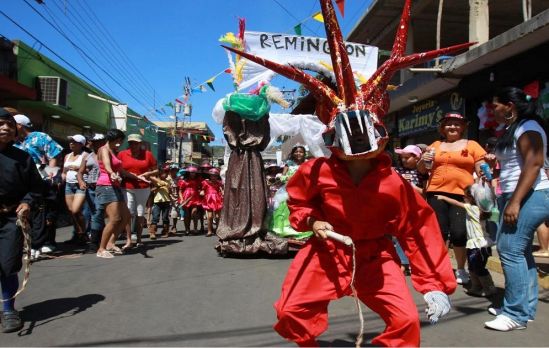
<point>78,138</point>
<point>97,137</point>
<point>135,137</point>
<point>453,116</point>
<point>411,149</point>
<point>23,120</point>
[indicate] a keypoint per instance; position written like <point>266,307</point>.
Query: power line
<point>89,65</point>
<point>294,17</point>
<point>117,66</point>
<point>76,47</point>
<point>117,47</point>
<point>52,51</point>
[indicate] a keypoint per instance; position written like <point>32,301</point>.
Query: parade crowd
<point>484,196</point>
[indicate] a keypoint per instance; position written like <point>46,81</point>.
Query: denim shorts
<point>108,194</point>
<point>73,189</point>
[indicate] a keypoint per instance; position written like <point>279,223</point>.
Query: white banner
<point>304,52</point>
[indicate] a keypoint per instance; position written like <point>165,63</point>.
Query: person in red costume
<point>356,193</point>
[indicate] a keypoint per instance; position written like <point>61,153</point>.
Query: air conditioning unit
<point>53,89</point>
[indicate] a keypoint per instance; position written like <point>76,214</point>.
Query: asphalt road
<point>178,292</point>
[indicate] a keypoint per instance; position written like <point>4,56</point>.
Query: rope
<point>349,242</point>
<point>23,224</point>
<point>360,335</point>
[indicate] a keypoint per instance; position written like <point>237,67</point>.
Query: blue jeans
<point>514,243</point>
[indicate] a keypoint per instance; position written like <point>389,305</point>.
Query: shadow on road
<point>50,310</point>
<point>150,245</point>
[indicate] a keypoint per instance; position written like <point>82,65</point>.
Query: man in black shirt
<point>20,186</point>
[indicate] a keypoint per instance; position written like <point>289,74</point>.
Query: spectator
<point>75,195</point>
<point>174,197</point>
<point>408,158</point>
<point>521,152</point>
<point>87,179</point>
<point>45,152</point>
<point>213,198</point>
<point>20,185</point>
<point>141,162</point>
<point>161,204</point>
<point>543,238</point>
<point>189,197</point>
<point>453,165</point>
<point>109,194</point>
<point>478,240</point>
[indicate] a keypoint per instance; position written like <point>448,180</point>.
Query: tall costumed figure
<point>357,194</point>
<point>246,130</point>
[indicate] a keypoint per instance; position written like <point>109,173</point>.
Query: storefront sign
<point>425,115</point>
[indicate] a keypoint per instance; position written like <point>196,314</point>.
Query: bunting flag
<point>341,5</point>
<point>170,104</point>
<point>228,71</point>
<point>210,83</point>
<point>199,89</point>
<point>297,29</point>
<point>318,17</point>
<point>179,101</point>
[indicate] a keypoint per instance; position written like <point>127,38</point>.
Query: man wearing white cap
<point>42,148</point>
<point>44,152</point>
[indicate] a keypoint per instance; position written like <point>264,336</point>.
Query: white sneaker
<point>504,323</point>
<point>47,249</point>
<point>133,237</point>
<point>498,311</point>
<point>35,254</point>
<point>462,277</point>
<point>494,311</point>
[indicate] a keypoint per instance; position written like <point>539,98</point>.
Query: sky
<point>140,51</point>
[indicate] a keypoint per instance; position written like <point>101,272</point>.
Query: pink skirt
<point>212,202</point>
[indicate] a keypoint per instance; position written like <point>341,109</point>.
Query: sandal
<point>105,254</point>
<point>115,250</point>
<point>127,247</point>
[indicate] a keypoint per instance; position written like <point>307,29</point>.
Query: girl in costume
<point>212,201</point>
<point>355,192</point>
<point>189,198</point>
<point>280,224</point>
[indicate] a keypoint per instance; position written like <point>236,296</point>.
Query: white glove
<point>438,305</point>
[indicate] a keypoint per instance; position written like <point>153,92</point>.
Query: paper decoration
<point>318,17</point>
<point>297,29</point>
<point>341,5</point>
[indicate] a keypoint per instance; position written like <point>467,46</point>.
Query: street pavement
<point>178,292</point>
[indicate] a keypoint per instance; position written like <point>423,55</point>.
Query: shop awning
<point>519,39</point>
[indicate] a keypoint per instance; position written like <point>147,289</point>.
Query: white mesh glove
<point>438,305</point>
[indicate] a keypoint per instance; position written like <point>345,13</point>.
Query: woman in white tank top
<point>74,195</point>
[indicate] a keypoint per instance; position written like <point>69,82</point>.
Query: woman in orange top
<point>454,161</point>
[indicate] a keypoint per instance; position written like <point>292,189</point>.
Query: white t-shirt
<point>511,161</point>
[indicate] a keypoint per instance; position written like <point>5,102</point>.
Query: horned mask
<point>353,115</point>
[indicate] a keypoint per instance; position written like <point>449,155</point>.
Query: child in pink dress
<point>189,197</point>
<point>213,198</point>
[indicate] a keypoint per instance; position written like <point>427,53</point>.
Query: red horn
<point>340,60</point>
<point>324,93</point>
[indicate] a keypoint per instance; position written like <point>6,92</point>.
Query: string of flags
<point>317,16</point>
<point>235,67</point>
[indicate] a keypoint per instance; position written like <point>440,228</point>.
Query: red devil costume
<point>369,210</point>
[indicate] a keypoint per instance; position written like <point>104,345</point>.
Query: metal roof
<point>378,25</point>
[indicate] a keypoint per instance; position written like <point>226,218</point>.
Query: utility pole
<point>175,109</point>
